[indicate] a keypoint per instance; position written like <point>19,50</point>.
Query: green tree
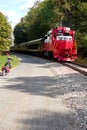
<point>42,17</point>
<point>48,14</point>
<point>81,33</point>
<point>20,32</point>
<point>5,33</point>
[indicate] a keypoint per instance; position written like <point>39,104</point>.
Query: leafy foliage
<point>48,14</point>
<point>5,33</point>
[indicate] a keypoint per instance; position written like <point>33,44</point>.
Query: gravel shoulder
<point>73,88</point>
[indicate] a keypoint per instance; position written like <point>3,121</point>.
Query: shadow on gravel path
<point>48,86</point>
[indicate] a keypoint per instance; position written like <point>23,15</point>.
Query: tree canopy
<point>48,14</point>
<point>5,33</point>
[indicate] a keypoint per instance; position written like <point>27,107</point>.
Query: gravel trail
<point>42,95</point>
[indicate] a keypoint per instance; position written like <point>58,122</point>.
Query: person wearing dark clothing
<point>8,63</point>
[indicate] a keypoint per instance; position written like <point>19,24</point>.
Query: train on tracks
<point>58,43</point>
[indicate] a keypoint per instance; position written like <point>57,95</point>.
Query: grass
<point>3,60</point>
<point>82,61</point>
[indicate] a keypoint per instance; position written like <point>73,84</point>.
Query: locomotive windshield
<point>64,38</point>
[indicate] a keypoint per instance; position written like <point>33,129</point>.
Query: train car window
<point>35,46</point>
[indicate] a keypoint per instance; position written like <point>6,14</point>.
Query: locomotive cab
<point>65,45</point>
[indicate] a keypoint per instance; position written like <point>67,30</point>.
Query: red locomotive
<point>59,43</point>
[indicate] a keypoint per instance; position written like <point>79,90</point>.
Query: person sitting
<point>8,63</point>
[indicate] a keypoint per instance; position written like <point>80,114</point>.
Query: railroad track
<point>80,68</point>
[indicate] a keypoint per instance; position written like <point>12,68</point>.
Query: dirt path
<point>28,98</point>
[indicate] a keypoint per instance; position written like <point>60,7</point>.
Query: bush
<point>82,45</point>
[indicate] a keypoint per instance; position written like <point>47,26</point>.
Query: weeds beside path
<point>3,59</point>
<point>81,61</point>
